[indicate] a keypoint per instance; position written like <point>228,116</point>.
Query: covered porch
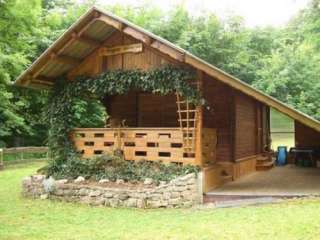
<point>151,127</point>
<point>285,181</point>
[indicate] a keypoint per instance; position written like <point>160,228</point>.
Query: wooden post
<point>198,154</point>
<point>97,65</point>
<point>118,139</point>
<point>233,125</point>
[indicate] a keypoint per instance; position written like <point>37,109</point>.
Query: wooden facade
<point>219,103</point>
<point>226,137</point>
<point>237,123</point>
<point>306,136</point>
<point>245,127</point>
<point>143,109</point>
<point>232,114</point>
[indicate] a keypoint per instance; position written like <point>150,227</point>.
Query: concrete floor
<point>279,181</point>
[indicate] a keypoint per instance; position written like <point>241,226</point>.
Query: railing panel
<point>152,144</point>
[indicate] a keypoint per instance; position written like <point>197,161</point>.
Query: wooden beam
<point>199,127</point>
<point>85,40</point>
<point>39,86</point>
<point>74,72</point>
<point>42,81</point>
<point>256,126</point>
<point>39,70</point>
<point>55,56</point>
<point>130,48</point>
<point>26,80</point>
<point>166,57</point>
<point>168,50</point>
<point>110,21</point>
<point>233,126</point>
<point>72,39</point>
<point>93,20</point>
<point>65,59</point>
<point>137,35</point>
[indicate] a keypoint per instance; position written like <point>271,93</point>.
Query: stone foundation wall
<point>181,192</point>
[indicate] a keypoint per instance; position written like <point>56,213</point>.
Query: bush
<point>115,167</point>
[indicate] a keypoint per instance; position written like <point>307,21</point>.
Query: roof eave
<point>65,34</point>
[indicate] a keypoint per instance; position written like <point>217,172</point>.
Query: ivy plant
<point>63,115</point>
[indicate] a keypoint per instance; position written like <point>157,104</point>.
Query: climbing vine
<point>62,111</point>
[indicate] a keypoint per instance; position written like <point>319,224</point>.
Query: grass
<point>281,139</point>
<point>19,157</point>
<point>280,122</point>
<point>28,219</point>
<point>282,130</point>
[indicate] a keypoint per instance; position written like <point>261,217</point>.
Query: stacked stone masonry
<point>180,192</point>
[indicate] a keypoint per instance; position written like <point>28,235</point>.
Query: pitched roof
<point>93,28</point>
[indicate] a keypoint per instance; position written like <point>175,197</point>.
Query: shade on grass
<point>44,219</point>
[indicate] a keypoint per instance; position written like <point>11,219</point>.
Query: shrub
<point>115,167</point>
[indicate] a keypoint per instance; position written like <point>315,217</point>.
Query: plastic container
<point>299,162</point>
<point>307,163</point>
<point>282,156</point>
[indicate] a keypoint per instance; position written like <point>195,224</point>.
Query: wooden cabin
<point>229,137</point>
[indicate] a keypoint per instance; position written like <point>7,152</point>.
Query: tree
<point>17,22</point>
<point>291,72</point>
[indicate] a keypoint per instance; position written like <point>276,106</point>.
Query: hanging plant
<point>62,108</point>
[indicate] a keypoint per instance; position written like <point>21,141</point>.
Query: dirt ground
<point>288,180</point>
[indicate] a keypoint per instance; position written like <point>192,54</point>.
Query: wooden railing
<point>152,144</point>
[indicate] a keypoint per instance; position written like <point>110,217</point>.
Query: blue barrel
<point>282,156</point>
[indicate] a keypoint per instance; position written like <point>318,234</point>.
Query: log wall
<point>145,60</point>
<point>305,136</point>
<point>123,107</point>
<point>157,111</point>
<point>143,109</point>
<point>148,58</point>
<point>218,114</point>
<point>245,126</point>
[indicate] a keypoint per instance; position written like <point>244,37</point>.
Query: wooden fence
<point>21,153</point>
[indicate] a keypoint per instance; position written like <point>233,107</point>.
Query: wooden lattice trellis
<point>188,115</point>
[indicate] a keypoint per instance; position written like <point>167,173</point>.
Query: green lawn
<point>282,130</point>
<point>22,157</point>
<point>280,139</point>
<point>44,219</point>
